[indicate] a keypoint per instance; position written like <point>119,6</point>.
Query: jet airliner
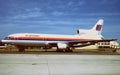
<point>84,37</point>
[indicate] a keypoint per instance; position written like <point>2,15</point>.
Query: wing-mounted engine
<point>62,45</point>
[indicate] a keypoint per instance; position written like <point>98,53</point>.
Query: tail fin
<point>98,26</point>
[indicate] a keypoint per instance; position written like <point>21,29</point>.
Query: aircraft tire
<point>68,50</point>
<point>21,49</point>
<point>59,50</point>
<point>114,51</point>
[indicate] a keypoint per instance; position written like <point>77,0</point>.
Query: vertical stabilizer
<point>98,26</point>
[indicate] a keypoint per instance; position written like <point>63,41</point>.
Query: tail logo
<point>99,27</point>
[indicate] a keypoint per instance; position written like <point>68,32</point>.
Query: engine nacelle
<point>81,31</point>
<point>62,45</point>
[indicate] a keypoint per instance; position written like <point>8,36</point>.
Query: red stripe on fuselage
<point>47,38</point>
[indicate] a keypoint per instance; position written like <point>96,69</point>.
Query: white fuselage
<point>54,37</point>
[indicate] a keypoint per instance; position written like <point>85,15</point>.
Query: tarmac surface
<point>59,64</point>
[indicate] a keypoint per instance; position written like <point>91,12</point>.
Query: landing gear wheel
<point>68,50</point>
<point>114,51</point>
<point>21,49</point>
<point>59,50</point>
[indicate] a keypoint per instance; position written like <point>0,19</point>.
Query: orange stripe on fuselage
<point>47,38</point>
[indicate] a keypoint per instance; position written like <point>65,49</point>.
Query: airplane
<point>84,37</point>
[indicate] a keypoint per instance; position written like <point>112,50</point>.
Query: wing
<point>87,43</point>
<point>80,43</point>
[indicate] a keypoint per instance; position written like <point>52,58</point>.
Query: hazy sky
<point>58,16</point>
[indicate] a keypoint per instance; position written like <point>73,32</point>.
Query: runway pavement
<point>43,64</point>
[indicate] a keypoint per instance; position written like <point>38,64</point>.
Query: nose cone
<point>10,36</point>
<point>14,36</point>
